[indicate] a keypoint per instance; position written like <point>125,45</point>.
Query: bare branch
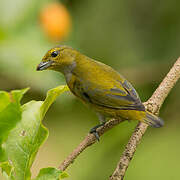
<point>88,141</point>
<point>153,105</point>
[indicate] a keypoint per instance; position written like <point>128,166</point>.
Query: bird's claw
<point>93,131</point>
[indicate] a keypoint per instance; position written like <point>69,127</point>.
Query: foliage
<point>22,133</point>
<point>51,174</point>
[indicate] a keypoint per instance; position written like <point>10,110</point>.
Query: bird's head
<point>61,58</point>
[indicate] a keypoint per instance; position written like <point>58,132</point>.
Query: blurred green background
<point>140,39</point>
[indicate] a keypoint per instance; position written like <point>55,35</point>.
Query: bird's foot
<point>96,135</point>
<point>93,131</point>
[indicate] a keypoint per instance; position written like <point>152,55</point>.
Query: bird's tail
<point>153,120</point>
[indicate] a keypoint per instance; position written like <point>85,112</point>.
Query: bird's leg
<point>102,120</point>
<point>93,130</point>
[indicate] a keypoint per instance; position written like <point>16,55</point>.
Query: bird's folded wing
<point>123,97</point>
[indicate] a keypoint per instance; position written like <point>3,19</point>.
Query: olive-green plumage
<point>98,85</point>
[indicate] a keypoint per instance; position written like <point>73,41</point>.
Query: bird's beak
<point>44,65</point>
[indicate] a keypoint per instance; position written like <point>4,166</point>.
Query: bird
<point>99,86</point>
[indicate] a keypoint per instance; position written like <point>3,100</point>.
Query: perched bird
<point>99,86</point>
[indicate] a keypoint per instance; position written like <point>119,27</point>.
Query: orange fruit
<point>55,21</point>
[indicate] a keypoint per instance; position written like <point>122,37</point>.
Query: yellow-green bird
<point>99,86</point>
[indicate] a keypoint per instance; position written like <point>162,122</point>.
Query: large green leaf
<point>10,115</point>
<point>25,138</point>
<point>10,110</point>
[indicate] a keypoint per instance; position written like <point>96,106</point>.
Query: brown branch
<point>88,141</point>
<point>152,105</point>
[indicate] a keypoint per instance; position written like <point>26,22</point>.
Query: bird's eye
<point>54,53</point>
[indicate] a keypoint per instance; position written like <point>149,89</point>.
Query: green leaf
<point>28,134</point>
<point>63,175</point>
<point>51,96</point>
<point>10,114</point>
<point>6,168</point>
<point>50,174</point>
<point>4,100</point>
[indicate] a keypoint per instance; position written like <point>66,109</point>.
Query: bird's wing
<point>122,96</point>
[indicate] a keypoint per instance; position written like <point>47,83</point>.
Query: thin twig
<point>153,105</point>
